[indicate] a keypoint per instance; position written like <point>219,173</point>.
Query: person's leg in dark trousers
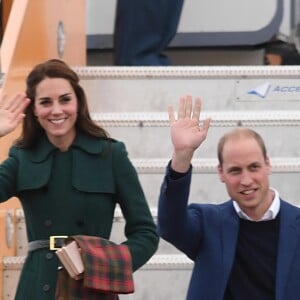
<point>143,30</point>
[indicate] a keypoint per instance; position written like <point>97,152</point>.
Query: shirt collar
<point>270,214</point>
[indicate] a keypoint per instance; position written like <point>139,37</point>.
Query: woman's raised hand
<point>12,112</point>
<point>186,133</point>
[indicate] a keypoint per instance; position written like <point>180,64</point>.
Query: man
<point>245,248</point>
<point>143,30</point>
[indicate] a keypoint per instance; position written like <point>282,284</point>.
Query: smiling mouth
<point>57,121</point>
<point>248,192</point>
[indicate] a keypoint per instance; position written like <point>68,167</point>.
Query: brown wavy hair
<point>55,68</point>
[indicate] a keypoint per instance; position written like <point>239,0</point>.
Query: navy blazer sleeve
<point>178,223</point>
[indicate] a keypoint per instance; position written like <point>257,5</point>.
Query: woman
<point>69,176</point>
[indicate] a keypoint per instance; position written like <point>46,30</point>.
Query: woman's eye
<point>45,102</point>
<point>65,99</point>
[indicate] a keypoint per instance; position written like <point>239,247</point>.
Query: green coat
<point>74,193</point>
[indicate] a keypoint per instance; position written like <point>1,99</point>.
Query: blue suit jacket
<point>207,233</point>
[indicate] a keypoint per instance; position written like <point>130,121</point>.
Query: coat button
<point>46,287</point>
<point>49,255</point>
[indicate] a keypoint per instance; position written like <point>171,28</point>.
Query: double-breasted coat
<point>74,193</point>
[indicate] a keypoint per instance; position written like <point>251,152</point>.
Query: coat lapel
<point>288,240</point>
<point>230,228</point>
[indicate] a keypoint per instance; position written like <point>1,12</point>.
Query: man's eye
<point>255,167</point>
<point>234,171</point>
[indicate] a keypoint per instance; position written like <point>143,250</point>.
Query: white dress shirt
<point>270,214</point>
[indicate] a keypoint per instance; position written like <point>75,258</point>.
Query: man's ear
<point>221,174</point>
<point>268,163</point>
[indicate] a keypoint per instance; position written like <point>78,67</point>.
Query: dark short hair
<point>55,68</point>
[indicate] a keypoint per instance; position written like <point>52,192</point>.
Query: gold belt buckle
<point>53,239</point>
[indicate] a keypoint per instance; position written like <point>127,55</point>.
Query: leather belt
<point>55,242</point>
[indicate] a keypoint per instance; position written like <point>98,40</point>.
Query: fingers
<point>171,114</point>
<point>186,109</point>
<point>206,124</point>
<point>16,103</point>
<point>188,106</point>
<point>19,118</point>
<point>2,99</point>
<point>181,108</point>
<point>197,109</point>
<point>19,106</point>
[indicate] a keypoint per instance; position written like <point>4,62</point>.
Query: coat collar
<point>88,143</point>
<point>43,148</point>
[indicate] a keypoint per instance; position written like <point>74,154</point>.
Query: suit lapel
<point>230,228</point>
<point>288,239</point>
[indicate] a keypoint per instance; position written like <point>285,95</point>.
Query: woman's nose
<point>56,108</point>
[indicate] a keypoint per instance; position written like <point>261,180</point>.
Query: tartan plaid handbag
<point>108,272</point>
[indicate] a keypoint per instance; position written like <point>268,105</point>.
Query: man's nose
<point>246,178</point>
